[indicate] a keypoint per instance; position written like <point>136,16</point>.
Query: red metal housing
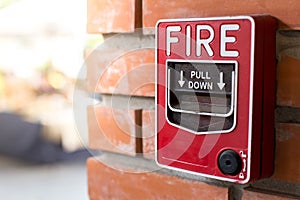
<point>215,92</point>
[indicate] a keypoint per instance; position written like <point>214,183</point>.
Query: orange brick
<point>287,163</point>
<point>104,182</point>
<point>286,11</point>
<point>148,133</point>
<point>250,195</point>
<point>133,48</point>
<point>112,129</point>
<point>97,62</point>
<point>288,81</point>
<point>108,16</point>
<point>132,73</point>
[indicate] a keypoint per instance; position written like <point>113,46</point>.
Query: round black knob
<point>229,162</point>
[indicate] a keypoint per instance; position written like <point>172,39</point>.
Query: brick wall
<point>122,125</point>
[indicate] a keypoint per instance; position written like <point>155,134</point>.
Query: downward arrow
<point>221,84</point>
<point>181,81</point>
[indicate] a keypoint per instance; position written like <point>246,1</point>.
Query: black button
<point>229,162</point>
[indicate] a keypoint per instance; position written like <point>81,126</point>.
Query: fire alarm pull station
<point>215,96</point>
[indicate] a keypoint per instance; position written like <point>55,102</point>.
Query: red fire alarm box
<point>215,96</point>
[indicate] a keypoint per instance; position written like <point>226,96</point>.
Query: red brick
<point>288,81</point>
<point>97,61</point>
<point>104,182</point>
<point>286,11</point>
<point>112,129</point>
<point>287,161</point>
<point>132,73</point>
<point>148,133</point>
<point>107,16</point>
<point>250,195</point>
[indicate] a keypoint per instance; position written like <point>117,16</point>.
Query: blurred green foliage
<point>93,40</point>
<point>5,3</point>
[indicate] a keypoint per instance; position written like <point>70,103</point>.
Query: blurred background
<point>43,44</point>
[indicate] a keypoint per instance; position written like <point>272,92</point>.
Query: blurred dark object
<point>44,97</point>
<point>22,139</point>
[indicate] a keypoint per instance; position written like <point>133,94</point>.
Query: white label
<point>188,41</point>
<point>204,42</point>
<point>200,85</point>
<point>225,39</point>
<point>170,39</point>
<point>200,75</point>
